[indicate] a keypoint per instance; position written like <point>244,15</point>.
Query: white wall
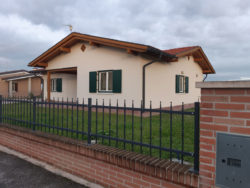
<point>160,77</point>
<point>69,87</point>
<point>104,58</point>
<point>161,86</point>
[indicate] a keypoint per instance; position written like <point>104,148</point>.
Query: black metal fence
<point>165,133</point>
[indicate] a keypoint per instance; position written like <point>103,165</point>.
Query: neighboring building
<point>20,83</point>
<point>83,66</point>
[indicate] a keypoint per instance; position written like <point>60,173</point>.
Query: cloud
<point>21,39</point>
<point>244,78</point>
<point>222,29</point>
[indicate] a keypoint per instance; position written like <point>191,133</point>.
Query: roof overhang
<point>13,78</point>
<point>199,57</point>
<point>65,44</point>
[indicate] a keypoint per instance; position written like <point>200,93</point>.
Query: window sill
<point>105,93</point>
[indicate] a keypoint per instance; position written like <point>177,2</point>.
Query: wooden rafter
<point>129,51</point>
<point>198,59</point>
<point>91,43</point>
<point>63,70</point>
<point>65,50</point>
<point>42,64</point>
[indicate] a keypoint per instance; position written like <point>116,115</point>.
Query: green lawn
<point>67,118</point>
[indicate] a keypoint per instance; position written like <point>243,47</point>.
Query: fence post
<point>1,109</point>
<point>89,119</point>
<point>197,137</point>
<point>34,113</point>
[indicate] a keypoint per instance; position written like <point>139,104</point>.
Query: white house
<point>85,66</point>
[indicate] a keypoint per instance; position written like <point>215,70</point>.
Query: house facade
<point>83,66</point>
<point>19,83</point>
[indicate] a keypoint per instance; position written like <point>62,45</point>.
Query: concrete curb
<point>50,168</point>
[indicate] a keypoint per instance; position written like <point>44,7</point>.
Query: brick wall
<point>225,107</point>
<point>100,164</point>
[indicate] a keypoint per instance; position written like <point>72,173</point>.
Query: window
<point>14,87</point>
<point>53,85</point>
<point>56,85</point>
<point>182,83</point>
<point>105,81</point>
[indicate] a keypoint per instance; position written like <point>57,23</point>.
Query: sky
<point>221,28</point>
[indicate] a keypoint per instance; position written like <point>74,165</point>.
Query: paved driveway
<point>17,173</point>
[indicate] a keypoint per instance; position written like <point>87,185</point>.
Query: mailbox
<point>232,161</point>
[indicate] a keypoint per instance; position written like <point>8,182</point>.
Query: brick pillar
<point>225,107</point>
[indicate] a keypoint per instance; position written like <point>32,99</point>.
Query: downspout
<point>144,79</point>
<point>205,78</point>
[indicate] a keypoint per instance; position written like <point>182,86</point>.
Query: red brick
<point>240,130</point>
<point>209,168</point>
<point>230,106</point>
<point>206,133</point>
<point>206,119</point>
<point>140,182</point>
<point>206,105</point>
<point>209,154</point>
<point>230,91</point>
<point>195,181</point>
<point>133,185</point>
<point>228,121</point>
<point>207,140</point>
<point>207,91</point>
<point>207,181</point>
<point>78,164</point>
<point>214,127</point>
<point>204,186</point>
<point>248,106</point>
<point>151,180</point>
<point>242,99</point>
<point>214,98</point>
<point>124,177</point>
<point>206,147</point>
<point>248,91</point>
<point>244,115</point>
<point>206,160</point>
<point>214,113</point>
<point>155,186</point>
<point>248,123</point>
<point>170,185</point>
<point>207,174</point>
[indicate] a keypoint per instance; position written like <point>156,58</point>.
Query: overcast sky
<point>221,28</point>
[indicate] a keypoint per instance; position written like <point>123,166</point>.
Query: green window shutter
<point>117,81</point>
<point>177,84</point>
<point>59,85</point>
<point>186,84</point>
<point>92,82</point>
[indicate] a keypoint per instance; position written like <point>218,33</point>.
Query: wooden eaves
<point>64,45</point>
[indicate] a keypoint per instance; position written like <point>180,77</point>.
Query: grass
<point>21,114</point>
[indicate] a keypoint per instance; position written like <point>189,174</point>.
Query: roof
<point>39,70</point>
<point>64,45</point>
<point>198,54</point>
<point>19,77</point>
<point>13,72</point>
<point>146,51</point>
<point>176,51</point>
